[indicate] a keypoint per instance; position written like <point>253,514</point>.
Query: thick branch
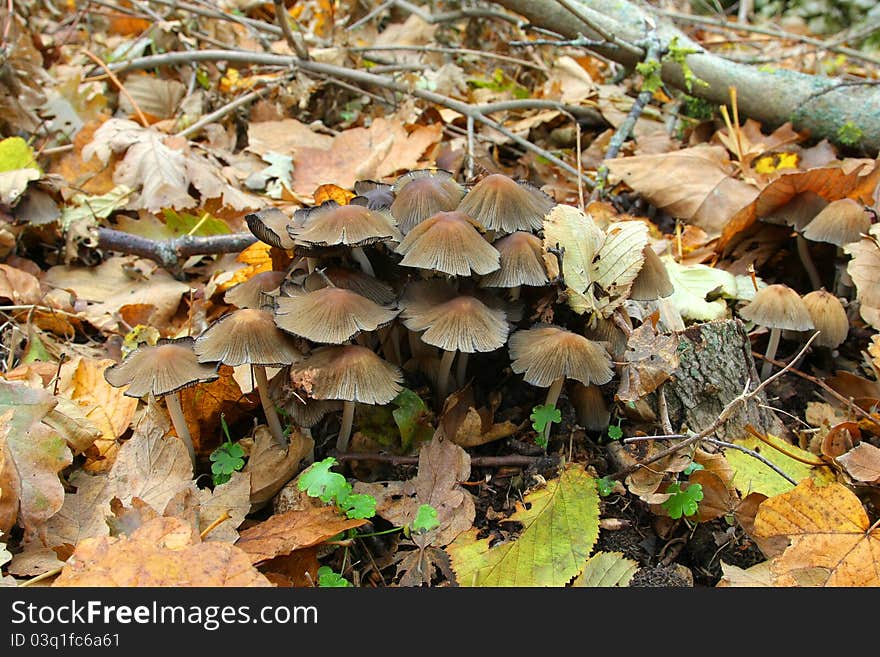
<point>170,253</point>
<point>819,105</point>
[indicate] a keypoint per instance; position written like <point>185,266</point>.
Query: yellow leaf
<point>752,476</point>
<point>775,162</point>
<point>832,540</point>
<point>607,569</point>
<point>560,527</point>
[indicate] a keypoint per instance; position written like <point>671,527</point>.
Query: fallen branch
<point>482,461</point>
<point>170,253</point>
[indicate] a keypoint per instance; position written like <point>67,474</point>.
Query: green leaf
<point>605,486</point>
<point>566,509</point>
<point>413,419</point>
<point>693,467</point>
<point>426,519</point>
<point>327,578</point>
<point>615,432</point>
<point>606,570</point>
<point>83,207</point>
<point>378,423</point>
<point>752,476</point>
<point>225,460</point>
<point>543,415</point>
<point>358,505</point>
<point>183,223</point>
<point>16,154</point>
<point>318,481</point>
<point>683,502</point>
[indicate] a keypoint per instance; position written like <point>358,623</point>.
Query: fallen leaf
<point>19,287</point>
<point>468,426</point>
<point>293,530</point>
<point>862,463</point>
<point>162,553</point>
<point>232,498</point>
<point>606,569</point>
<point>696,184</point>
<point>832,540</point>
<point>566,509</point>
<point>758,575</point>
<point>864,269</point>
<point>271,465</point>
<point>650,359</point>
<point>83,513</point>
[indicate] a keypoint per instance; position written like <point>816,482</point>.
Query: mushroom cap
<point>347,372</point>
<point>840,222</point>
<point>798,211</point>
<point>354,280</point>
<point>161,369</point>
<point>829,318</point>
<point>331,224</point>
<point>503,204</point>
<point>778,306</point>
<point>305,411</point>
<point>423,193</point>
<point>521,260</point>
<point>652,282</point>
<point>448,242</point>
<point>547,353</point>
<point>246,336</point>
<point>249,294</point>
<point>373,195</point>
<point>330,315</point>
<point>453,321</point>
<point>270,225</point>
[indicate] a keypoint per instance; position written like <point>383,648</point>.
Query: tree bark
<point>818,105</point>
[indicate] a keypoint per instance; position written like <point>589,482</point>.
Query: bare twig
<point>723,416</point>
<point>483,461</point>
<point>753,454</point>
<point>352,75</point>
<point>222,111</point>
<point>611,39</point>
<point>169,253</point>
<point>100,62</point>
<point>450,51</point>
<point>295,41</point>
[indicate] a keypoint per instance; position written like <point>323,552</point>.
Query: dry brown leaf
<point>649,360</point>
<point>106,288</point>
<point>758,575</point>
<point>468,426</point>
<point>164,552</point>
<point>232,498</point>
<point>695,184</point>
<point>271,465</point>
<point>297,569</point>
<point>293,530</point>
<point>92,176</point>
<point>128,519</point>
<point>862,463</point>
<point>718,499</point>
<point>443,465</point>
<point>33,561</point>
<point>831,537</point>
<point>864,269</point>
<point>19,287</point>
<point>285,136</point>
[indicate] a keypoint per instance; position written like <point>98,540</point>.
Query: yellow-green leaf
<point>752,476</point>
<point>607,569</point>
<point>568,227</point>
<point>559,529</point>
<point>16,154</point>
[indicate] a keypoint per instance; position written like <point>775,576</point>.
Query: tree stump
<point>715,361</point>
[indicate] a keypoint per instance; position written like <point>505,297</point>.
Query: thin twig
<point>723,416</point>
<point>450,51</point>
<point>222,111</point>
<point>753,454</point>
<point>482,461</point>
<point>169,253</point>
<point>100,62</point>
<point>610,38</point>
<point>663,409</point>
<point>293,40</point>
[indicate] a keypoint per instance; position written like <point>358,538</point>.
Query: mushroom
<point>840,222</point>
<point>351,279</point>
<point>373,195</point>
<point>422,194</point>
<point>652,282</point>
<point>330,315</point>
<point>453,322</point>
<point>777,307</point>
<point>547,355</point>
<point>448,242</point>
<point>270,225</point>
<point>521,263</point>
<point>354,226</point>
<point>250,294</point>
<point>796,209</point>
<point>829,318</point>
<point>249,336</point>
<point>351,373</point>
<point>163,370</point>
<point>503,204</point>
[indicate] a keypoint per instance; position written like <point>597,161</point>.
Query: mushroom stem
<point>553,393</point>
<point>461,368</point>
<point>806,259</point>
<point>443,376</point>
<point>361,258</point>
<point>268,406</point>
<point>345,426</point>
<point>175,410</point>
<point>843,284</point>
<point>389,339</point>
<point>514,293</point>
<point>770,354</point>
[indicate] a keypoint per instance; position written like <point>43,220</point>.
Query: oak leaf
<point>832,541</point>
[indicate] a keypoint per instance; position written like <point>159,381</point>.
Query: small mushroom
<point>354,226</point>
<point>422,194</point>
<point>840,222</point>
<point>373,195</point>
<point>503,204</point>
<point>269,225</point>
<point>249,337</point>
<point>351,373</point>
<point>652,282</point>
<point>777,307</point>
<point>448,242</point>
<point>521,263</point>
<point>163,370</point>
<point>250,294</point>
<point>796,209</point>
<point>330,315</point>
<point>351,279</point>
<point>829,318</point>
<point>547,355</point>
<point>453,322</point>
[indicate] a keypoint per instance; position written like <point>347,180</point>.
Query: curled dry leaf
<point>271,465</point>
<point>832,541</point>
<point>163,552</point>
<point>862,463</point>
<point>293,530</point>
<point>468,426</point>
<point>650,359</point>
<point>864,269</point>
